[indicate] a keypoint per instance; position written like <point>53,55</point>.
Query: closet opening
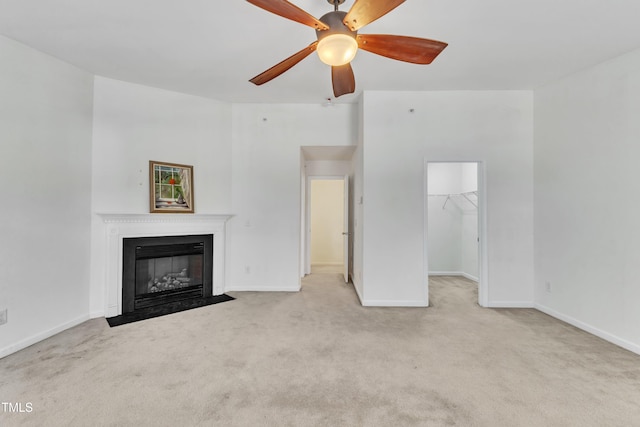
<point>454,216</point>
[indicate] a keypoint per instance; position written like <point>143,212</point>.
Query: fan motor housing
<point>334,21</point>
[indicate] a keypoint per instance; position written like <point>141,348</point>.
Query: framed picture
<point>171,188</point>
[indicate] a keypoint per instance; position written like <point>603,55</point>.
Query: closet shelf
<point>466,196</point>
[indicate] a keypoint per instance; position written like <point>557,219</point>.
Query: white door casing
<point>346,233</point>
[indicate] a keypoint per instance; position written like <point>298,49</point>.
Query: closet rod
<point>465,195</point>
<point>469,200</point>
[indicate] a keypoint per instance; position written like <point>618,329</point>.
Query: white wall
<point>45,146</point>
<point>264,236</point>
<point>327,221</point>
<point>587,243</point>
<point>470,252</point>
<point>444,178</point>
<point>134,124</point>
<point>356,191</point>
<point>444,232</point>
<point>470,232</point>
<point>469,181</point>
<point>328,167</point>
<point>495,127</point>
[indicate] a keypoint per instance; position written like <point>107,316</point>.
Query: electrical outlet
<point>547,286</point>
<point>3,316</point>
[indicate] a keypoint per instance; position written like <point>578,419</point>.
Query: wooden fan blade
<point>287,10</point>
<point>343,80</point>
<point>283,66</point>
<point>364,12</point>
<point>402,48</point>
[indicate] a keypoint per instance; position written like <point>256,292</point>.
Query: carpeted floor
<point>317,358</point>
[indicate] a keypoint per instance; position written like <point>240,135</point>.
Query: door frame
<point>483,271</point>
<point>307,218</point>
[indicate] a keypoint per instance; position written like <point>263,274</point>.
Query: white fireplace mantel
<point>120,226</point>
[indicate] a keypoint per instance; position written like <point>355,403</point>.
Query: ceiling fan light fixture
<point>337,49</point>
<point>338,40</point>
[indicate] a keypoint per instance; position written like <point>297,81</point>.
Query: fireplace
<point>107,266</point>
<point>158,271</point>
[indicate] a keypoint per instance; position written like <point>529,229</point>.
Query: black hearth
<point>162,271</point>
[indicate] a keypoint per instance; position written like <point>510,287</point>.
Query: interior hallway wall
<point>327,221</point>
<point>401,130</point>
<point>45,142</point>
<point>356,211</point>
<point>264,234</point>
<point>470,231</point>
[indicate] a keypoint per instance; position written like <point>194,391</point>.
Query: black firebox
<point>159,271</point>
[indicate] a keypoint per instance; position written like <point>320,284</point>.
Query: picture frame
<point>170,188</point>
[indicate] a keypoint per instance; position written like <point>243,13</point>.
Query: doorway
<point>328,224</point>
<point>326,163</point>
<point>454,230</point>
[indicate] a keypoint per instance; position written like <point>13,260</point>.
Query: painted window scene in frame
<point>171,187</point>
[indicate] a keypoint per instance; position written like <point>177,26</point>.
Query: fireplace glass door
<point>160,270</point>
<point>168,270</point>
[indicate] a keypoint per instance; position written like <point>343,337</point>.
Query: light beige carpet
<point>317,358</point>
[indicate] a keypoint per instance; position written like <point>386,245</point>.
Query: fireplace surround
<point>118,227</point>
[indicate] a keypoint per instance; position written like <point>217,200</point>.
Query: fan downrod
<point>335,3</point>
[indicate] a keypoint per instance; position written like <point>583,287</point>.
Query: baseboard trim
<point>385,303</point>
<point>97,314</point>
<point>446,273</point>
<point>394,303</point>
<point>510,304</point>
<point>454,273</point>
<point>470,277</point>
<point>256,288</point>
<point>356,287</point>
<point>20,345</point>
<point>621,342</point>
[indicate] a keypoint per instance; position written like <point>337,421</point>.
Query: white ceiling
<point>212,47</point>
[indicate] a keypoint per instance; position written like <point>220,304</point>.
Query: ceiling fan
<point>338,40</point>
